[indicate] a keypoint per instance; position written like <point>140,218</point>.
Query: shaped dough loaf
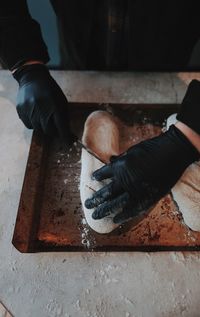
<point>186,192</point>
<point>101,135</point>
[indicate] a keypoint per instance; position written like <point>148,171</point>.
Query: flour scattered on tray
<point>87,240</point>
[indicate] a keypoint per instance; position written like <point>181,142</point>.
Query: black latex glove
<point>142,176</point>
<point>41,104</point>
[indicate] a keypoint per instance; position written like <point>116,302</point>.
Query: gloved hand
<point>41,104</point>
<point>140,177</point>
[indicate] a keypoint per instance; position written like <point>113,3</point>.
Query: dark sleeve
<point>190,108</point>
<point>20,35</point>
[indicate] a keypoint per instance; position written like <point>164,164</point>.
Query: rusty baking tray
<point>50,216</point>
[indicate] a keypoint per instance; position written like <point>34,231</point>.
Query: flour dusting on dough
<point>100,135</point>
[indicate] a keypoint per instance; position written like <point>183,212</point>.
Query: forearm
<point>20,35</point>
<point>189,114</point>
<point>192,136</point>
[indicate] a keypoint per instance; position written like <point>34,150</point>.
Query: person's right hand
<point>41,104</point>
<point>141,176</point>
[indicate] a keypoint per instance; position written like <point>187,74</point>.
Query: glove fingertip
<point>102,173</point>
<point>117,220</point>
<point>96,175</point>
<point>121,218</point>
<point>95,215</point>
<point>88,203</point>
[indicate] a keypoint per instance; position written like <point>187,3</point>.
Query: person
<point>110,35</point>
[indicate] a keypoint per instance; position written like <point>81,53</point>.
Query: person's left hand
<point>142,176</point>
<point>41,103</point>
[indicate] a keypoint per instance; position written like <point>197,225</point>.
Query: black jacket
<point>105,34</point>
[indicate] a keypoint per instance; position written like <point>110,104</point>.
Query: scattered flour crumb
<point>84,221</point>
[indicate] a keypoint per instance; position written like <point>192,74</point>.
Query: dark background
<point>47,19</point>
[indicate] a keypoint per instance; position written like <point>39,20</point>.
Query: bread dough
<point>186,192</point>
<point>101,136</point>
<point>87,189</point>
<point>105,135</point>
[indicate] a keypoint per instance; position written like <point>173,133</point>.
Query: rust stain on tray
<point>50,216</point>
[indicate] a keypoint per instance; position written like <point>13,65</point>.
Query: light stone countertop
<point>129,284</point>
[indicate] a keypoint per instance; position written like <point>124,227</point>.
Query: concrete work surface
<point>4,312</point>
<point>89,284</point>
